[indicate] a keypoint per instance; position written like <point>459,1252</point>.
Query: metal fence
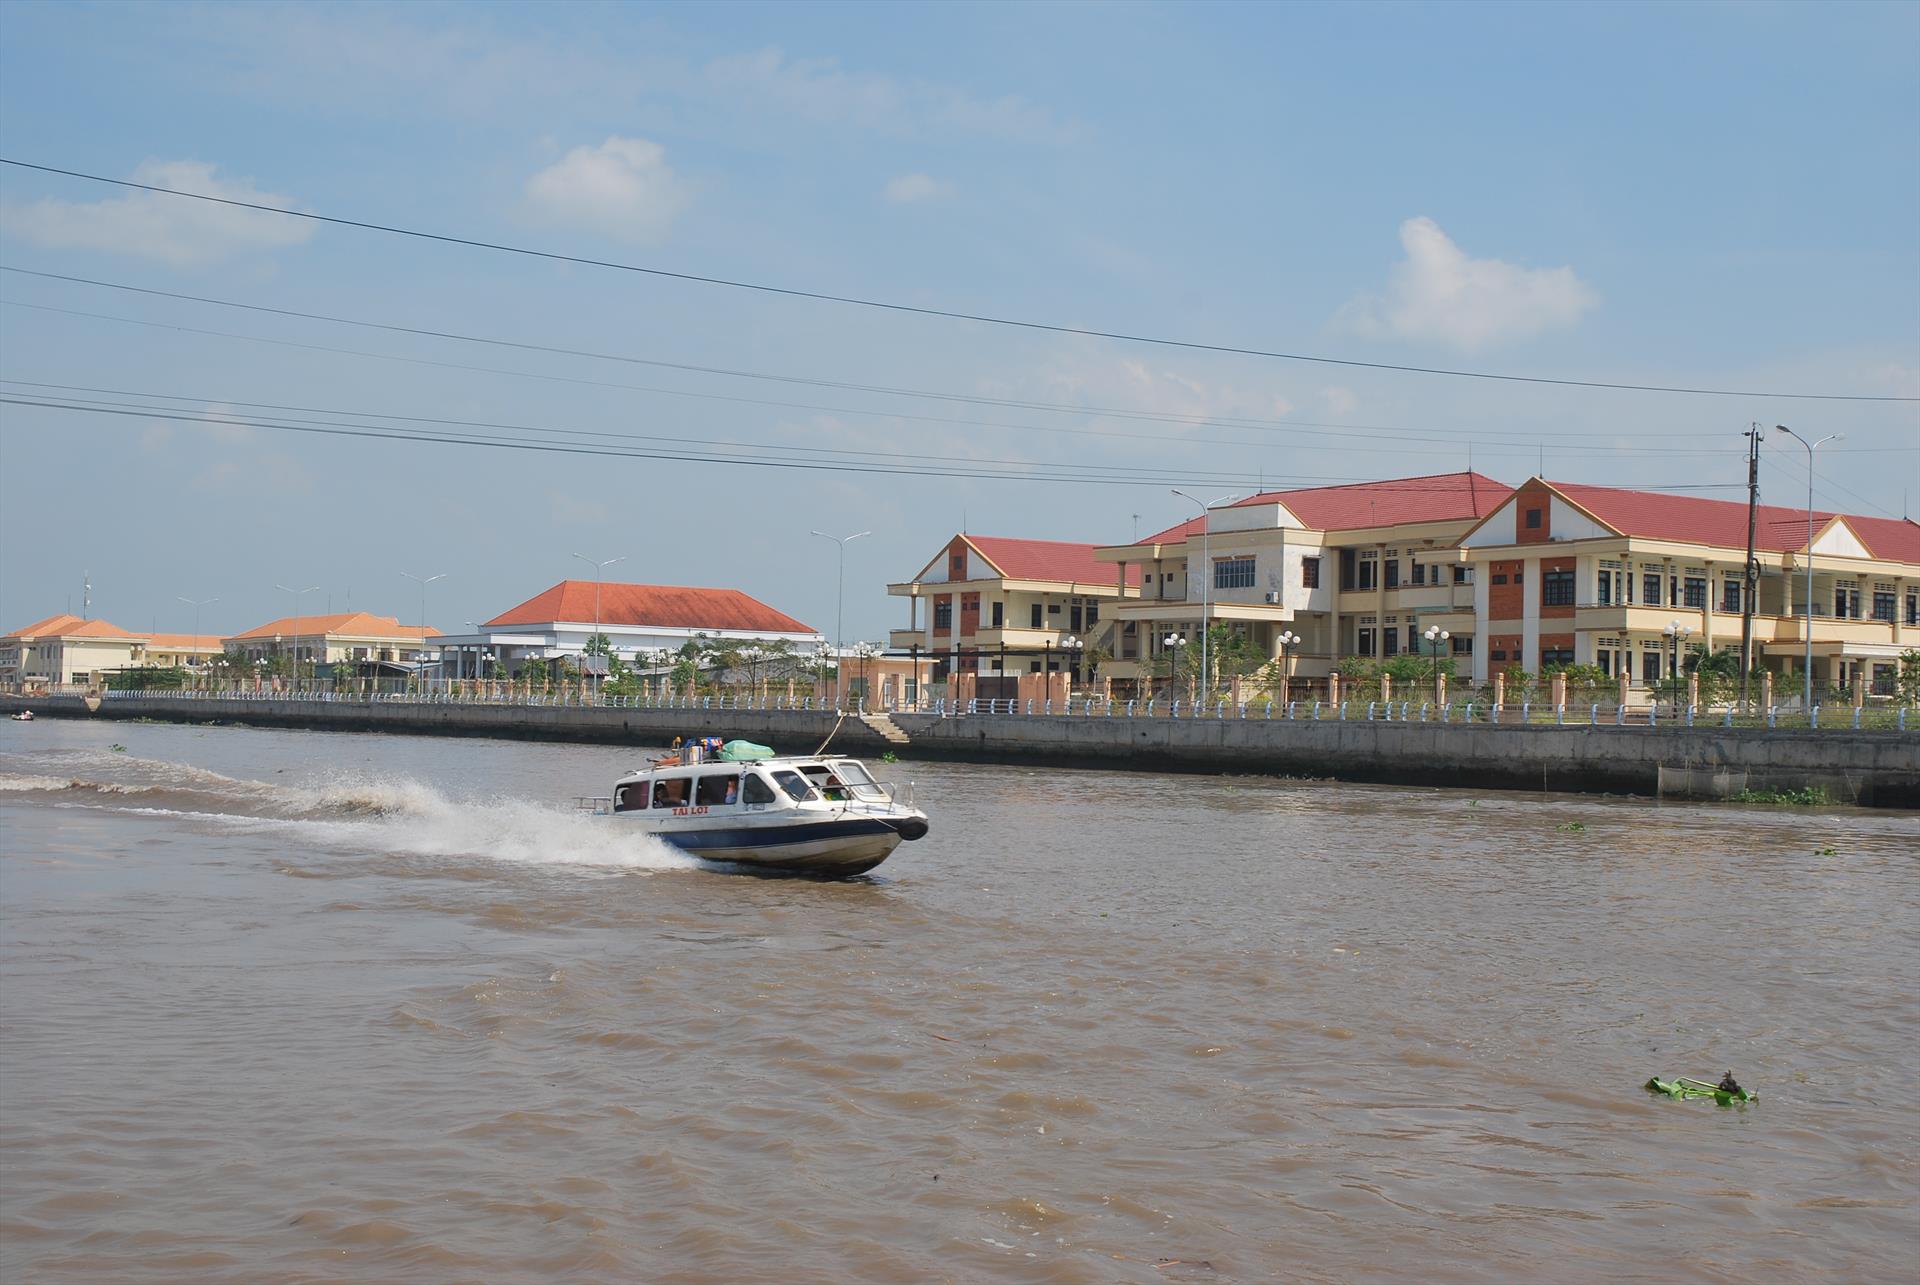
<point>1472,712</point>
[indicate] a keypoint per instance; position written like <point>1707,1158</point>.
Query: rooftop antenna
<point>1136,528</point>
<point>1543,462</point>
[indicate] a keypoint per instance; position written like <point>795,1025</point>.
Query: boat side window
<point>631,798</point>
<point>717,790</point>
<point>671,794</point>
<point>756,790</point>
<point>795,785</point>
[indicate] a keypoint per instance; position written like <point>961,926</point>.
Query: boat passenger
<point>670,794</point>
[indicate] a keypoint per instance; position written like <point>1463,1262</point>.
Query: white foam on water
<point>11,783</point>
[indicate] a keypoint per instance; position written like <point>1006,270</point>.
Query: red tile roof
<point>1056,560</point>
<point>68,625</point>
<point>350,624</point>
<point>1437,497</point>
<point>1723,523</point>
<point>639,605</point>
<point>184,642</point>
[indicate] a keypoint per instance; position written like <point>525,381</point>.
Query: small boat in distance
<point>804,815</point>
<point>24,716</point>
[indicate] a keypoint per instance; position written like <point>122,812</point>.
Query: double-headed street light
<point>1807,663</point>
<point>1072,647</point>
<point>1206,574</point>
<point>297,593</point>
<point>840,605</point>
<point>1172,644</point>
<point>196,604</point>
<point>598,569</point>
<point>1435,637</point>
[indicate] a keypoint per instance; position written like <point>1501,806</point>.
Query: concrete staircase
<point>884,727</point>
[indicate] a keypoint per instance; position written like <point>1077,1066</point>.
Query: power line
<point>948,314</point>
<point>1110,412</point>
<point>1037,473</point>
<point>1441,448</point>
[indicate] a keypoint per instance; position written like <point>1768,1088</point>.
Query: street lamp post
<point>1172,644</point>
<point>1206,575</point>
<point>1677,635</point>
<point>839,606</point>
<point>1806,665</point>
<point>1435,636</point>
<point>1288,640</point>
<point>423,582</point>
<point>821,655</point>
<point>196,604</point>
<point>598,569</point>
<point>312,588</point>
<point>1072,647</point>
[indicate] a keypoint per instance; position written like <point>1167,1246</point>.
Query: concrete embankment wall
<point>1872,767</point>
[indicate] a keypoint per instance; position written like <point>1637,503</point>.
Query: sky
<point>1717,195</point>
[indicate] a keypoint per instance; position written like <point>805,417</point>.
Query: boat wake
<point>366,816</point>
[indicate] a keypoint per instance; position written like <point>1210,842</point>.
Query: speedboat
<point>813,815</point>
<point>24,716</point>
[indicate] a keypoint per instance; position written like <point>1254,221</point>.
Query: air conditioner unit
<point>1273,596</point>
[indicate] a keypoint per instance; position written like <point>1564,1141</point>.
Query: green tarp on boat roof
<point>740,751</point>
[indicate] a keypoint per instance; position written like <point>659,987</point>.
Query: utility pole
<point>1750,582</point>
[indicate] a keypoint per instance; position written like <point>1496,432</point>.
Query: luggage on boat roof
<point>743,751</point>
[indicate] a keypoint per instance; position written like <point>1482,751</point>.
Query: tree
<point>1908,682</point>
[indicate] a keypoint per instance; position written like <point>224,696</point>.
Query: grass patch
<point>1811,796</point>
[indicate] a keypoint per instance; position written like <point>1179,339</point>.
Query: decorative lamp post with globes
<point>1806,666</point>
<point>1171,646</point>
<point>1072,648</point>
<point>1677,635</point>
<point>1436,638</point>
<point>1287,641</point>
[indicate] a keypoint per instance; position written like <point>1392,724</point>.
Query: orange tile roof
<point>68,625</point>
<point>640,605</point>
<point>351,624</point>
<point>184,642</point>
<point>1056,560</point>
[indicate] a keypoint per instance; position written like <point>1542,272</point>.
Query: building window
<point>1093,614</point>
<point>1519,577</point>
<point>1730,595</point>
<point>1883,606</point>
<point>1393,573</point>
<point>1650,594</point>
<point>1913,608</point>
<point>1233,573</point>
<point>1603,660</point>
<point>1462,646</point>
<point>1364,641</point>
<point>1555,656</point>
<point>1556,589</point>
<point>1499,577</point>
<point>1420,573</point>
<point>1605,586</point>
<point>1498,653</point>
<point>1310,573</point>
<point>1650,666</point>
<point>1533,519</point>
<point>1038,620</point>
<point>999,614</point>
<point>943,613</point>
<point>1846,602</point>
<point>1369,573</point>
<point>1463,575</point>
<point>1694,592</point>
<point>1390,638</point>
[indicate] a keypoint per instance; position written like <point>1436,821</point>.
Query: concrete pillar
<point>1234,691</point>
<point>1440,692</point>
<point>1557,689</point>
<point>1859,685</point>
<point>1766,689</point>
<point>1333,688</point>
<point>1500,687</point>
<point>1620,698</point>
<point>1693,689</point>
<point>1386,687</point>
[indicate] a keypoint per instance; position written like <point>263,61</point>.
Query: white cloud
<point>1438,293</point>
<point>623,188</point>
<point>1340,400</point>
<point>909,188</point>
<point>169,229</point>
<point>817,89</point>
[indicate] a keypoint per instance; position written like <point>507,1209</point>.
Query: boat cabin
<point>753,786</point>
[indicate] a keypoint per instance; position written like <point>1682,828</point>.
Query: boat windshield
<point>856,776</point>
<point>795,785</point>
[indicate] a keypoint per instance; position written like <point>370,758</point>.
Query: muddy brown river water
<point>300,1006</point>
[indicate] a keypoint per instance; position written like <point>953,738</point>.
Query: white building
<point>636,618</point>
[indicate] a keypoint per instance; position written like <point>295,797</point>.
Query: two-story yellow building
<point>347,636</point>
<point>997,608</point>
<point>65,649</point>
<point>1354,570</point>
<point>1630,581</point>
